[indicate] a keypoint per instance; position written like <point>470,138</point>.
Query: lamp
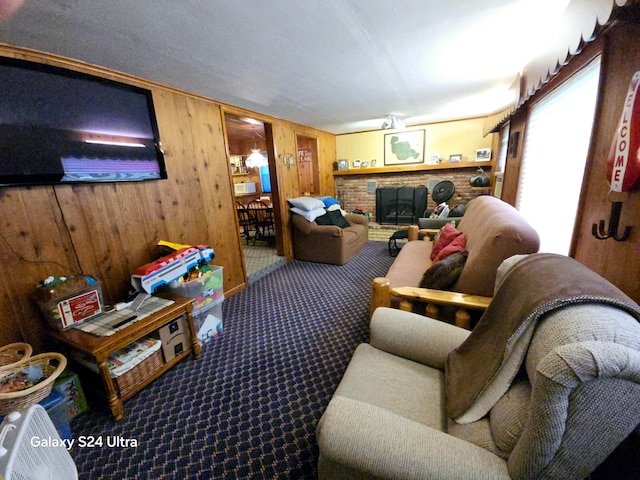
<point>392,121</point>
<point>256,159</point>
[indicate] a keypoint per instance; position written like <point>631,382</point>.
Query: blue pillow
<point>328,201</point>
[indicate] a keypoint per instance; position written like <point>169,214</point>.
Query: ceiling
<point>339,66</point>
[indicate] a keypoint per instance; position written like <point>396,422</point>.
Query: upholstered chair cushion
<point>508,416</point>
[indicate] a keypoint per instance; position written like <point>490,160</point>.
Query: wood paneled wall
<point>619,262</point>
<point>108,230</point>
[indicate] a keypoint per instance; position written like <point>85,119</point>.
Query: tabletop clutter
<point>75,302</point>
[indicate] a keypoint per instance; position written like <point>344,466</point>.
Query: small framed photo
<point>343,165</point>
<point>434,159</point>
<point>373,162</point>
<point>456,158</point>
<point>483,155</point>
<point>364,164</point>
<point>356,164</point>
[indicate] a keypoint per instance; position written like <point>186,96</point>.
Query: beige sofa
<point>575,398</point>
<point>495,231</point>
<point>329,243</point>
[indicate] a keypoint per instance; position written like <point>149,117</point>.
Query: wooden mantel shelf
<point>412,168</point>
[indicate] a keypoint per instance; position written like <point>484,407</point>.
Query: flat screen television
<point>61,126</point>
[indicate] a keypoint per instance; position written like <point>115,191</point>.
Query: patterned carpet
<point>248,407</point>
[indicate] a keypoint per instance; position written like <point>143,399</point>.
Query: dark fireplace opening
<point>400,205</point>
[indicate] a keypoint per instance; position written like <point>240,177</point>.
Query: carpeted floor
<point>248,407</point>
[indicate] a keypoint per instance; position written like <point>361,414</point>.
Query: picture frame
<point>404,148</point>
<point>455,158</point>
<point>364,164</point>
<point>356,163</point>
<point>434,159</point>
<point>343,164</point>
<point>483,155</point>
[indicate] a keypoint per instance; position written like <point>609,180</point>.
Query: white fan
<point>25,448</point>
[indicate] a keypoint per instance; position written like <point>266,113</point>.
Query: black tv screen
<point>61,126</point>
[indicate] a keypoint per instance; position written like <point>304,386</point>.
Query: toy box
<point>205,289</point>
<point>68,384</point>
<point>208,321</point>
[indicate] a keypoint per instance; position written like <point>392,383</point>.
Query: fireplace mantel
<point>413,168</point>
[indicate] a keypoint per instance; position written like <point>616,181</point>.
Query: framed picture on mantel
<point>404,148</point>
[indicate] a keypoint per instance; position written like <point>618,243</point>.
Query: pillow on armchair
<point>447,234</point>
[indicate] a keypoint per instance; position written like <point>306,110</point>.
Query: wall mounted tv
<point>60,126</point>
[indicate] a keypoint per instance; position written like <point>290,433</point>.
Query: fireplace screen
<point>400,205</point>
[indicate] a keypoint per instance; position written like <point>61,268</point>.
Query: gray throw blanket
<point>533,287</point>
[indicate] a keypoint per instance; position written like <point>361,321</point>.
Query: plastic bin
<point>208,321</point>
<point>56,406</point>
<point>71,302</point>
<point>205,289</point>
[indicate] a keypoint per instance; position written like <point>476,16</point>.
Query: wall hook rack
<point>601,233</point>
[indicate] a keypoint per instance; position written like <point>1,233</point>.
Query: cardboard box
<point>68,384</point>
<point>174,337</point>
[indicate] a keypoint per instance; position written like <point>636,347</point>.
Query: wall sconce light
<point>392,121</point>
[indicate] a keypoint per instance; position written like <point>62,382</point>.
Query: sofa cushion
<point>447,234</point>
<point>310,215</point>
<point>444,273</point>
<point>401,386</point>
<point>457,245</point>
<point>306,203</point>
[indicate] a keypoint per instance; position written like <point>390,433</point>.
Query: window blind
<point>555,152</point>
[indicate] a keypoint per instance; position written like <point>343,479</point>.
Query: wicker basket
<point>132,378</point>
<point>14,352</point>
<point>52,365</point>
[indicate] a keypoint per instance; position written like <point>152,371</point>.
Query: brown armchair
<point>329,243</point>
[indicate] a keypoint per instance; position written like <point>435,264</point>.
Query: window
<point>555,152</point>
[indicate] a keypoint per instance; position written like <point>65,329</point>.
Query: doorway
<point>308,175</point>
<point>250,147</point>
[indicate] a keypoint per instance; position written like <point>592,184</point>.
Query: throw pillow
<point>309,215</point>
<point>328,201</point>
<point>306,203</point>
<point>445,236</point>
<point>457,245</point>
<point>442,275</point>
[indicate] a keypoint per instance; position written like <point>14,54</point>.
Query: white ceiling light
<point>256,159</point>
<point>392,121</point>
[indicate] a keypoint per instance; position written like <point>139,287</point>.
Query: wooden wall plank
<point>619,262</point>
<point>108,230</point>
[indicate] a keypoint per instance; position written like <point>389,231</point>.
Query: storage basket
<point>14,352</point>
<point>52,365</point>
<point>133,377</point>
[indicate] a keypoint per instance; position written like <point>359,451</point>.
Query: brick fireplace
<point>359,190</point>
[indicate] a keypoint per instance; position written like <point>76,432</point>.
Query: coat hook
<point>601,233</point>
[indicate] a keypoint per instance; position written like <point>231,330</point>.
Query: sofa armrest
<point>412,336</point>
<point>357,218</point>
<point>360,440</point>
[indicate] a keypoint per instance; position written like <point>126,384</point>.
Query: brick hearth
<point>351,190</point>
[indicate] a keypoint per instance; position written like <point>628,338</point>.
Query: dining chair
<point>263,217</point>
<point>246,221</point>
